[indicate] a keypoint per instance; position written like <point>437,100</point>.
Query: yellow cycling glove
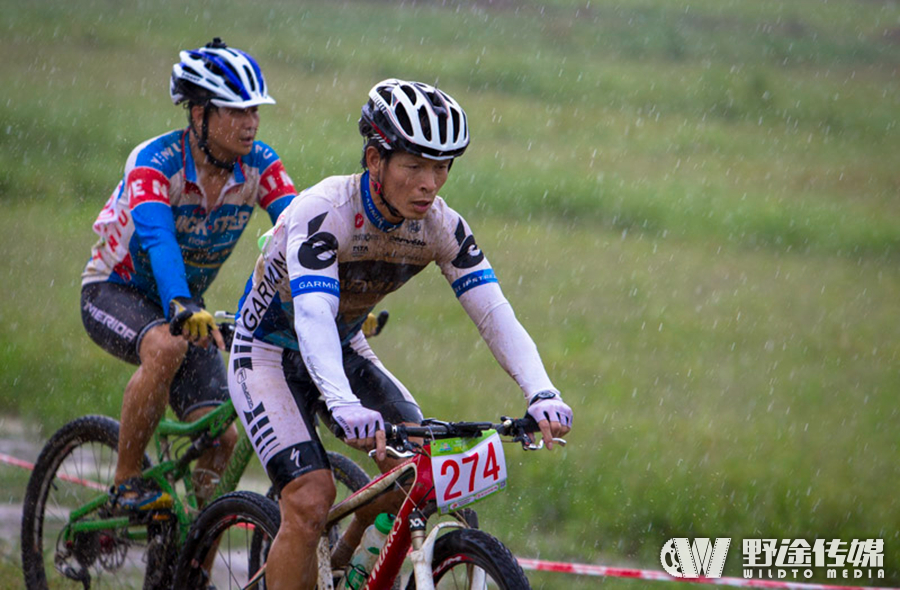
<point>373,324</point>
<point>190,319</point>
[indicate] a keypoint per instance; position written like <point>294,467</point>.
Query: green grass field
<point>694,208</point>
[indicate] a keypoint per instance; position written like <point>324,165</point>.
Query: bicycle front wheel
<point>226,538</point>
<point>474,560</point>
<point>76,465</point>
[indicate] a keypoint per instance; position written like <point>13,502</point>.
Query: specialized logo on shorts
<point>295,457</point>
<point>358,221</point>
<point>469,253</point>
<point>320,249</point>
<point>683,559</point>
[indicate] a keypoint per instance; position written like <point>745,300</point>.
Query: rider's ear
<point>373,160</point>
<point>197,115</point>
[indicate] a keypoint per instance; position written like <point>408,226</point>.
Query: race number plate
<point>467,469</point>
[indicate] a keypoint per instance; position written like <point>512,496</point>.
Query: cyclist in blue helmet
<point>176,215</point>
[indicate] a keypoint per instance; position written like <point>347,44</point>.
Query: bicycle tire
<point>347,471</point>
<point>76,463</point>
<point>210,532</point>
<point>459,552</point>
<point>347,474</point>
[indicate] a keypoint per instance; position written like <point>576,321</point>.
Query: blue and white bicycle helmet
<point>218,74</point>
<point>416,118</point>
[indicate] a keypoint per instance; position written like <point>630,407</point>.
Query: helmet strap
<point>379,190</point>
<point>203,143</point>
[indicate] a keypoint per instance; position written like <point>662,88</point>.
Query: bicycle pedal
<point>151,517</point>
<point>161,515</point>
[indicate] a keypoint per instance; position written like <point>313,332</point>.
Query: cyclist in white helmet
<point>172,221</point>
<point>335,252</point>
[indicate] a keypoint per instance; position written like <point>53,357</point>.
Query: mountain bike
<point>70,535</point>
<point>457,464</point>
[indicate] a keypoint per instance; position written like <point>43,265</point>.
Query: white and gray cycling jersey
<point>331,257</point>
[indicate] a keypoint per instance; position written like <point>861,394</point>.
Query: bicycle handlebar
<point>519,429</point>
<point>436,429</point>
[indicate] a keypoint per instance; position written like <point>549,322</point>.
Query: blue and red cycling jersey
<point>156,234</point>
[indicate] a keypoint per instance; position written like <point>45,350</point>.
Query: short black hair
<point>382,151</point>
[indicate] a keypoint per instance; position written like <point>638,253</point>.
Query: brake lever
<point>540,445</point>
<point>394,453</point>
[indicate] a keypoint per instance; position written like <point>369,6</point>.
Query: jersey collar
<point>372,213</point>
<point>190,169</point>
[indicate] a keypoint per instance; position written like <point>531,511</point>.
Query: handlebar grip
<point>529,424</point>
<point>227,331</point>
<point>382,320</point>
<point>176,325</point>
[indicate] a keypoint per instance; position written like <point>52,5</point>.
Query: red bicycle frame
<point>409,530</point>
<point>399,540</point>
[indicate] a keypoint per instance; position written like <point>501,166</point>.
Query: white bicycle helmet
<point>218,74</point>
<point>416,118</point>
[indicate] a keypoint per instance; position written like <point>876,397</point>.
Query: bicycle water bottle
<point>366,553</point>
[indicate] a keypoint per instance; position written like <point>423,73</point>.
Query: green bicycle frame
<point>167,471</point>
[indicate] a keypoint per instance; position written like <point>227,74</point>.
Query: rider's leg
<point>305,502</point>
<point>131,326</point>
<point>146,396</point>
<point>209,467</point>
<point>199,387</point>
<point>212,463</point>
<point>273,408</point>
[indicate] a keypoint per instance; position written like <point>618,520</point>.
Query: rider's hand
<point>194,323</point>
<point>363,428</point>
<point>554,416</point>
<point>373,324</point>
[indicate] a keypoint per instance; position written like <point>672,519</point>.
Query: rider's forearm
<point>156,232</point>
<point>506,337</point>
<point>320,346</point>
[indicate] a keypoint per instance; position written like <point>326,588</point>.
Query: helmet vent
<point>442,125</point>
<point>251,78</point>
<point>405,123</point>
<point>409,92</point>
<point>232,86</point>
<point>454,114</point>
<point>425,122</point>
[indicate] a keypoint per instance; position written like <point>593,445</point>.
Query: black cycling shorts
<point>116,317</point>
<point>278,402</point>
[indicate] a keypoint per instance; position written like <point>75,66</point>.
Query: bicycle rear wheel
<point>474,560</point>
<point>76,465</point>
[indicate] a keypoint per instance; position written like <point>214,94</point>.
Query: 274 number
<point>491,471</point>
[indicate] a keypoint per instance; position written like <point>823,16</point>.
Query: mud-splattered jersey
<point>155,234</point>
<point>333,244</point>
